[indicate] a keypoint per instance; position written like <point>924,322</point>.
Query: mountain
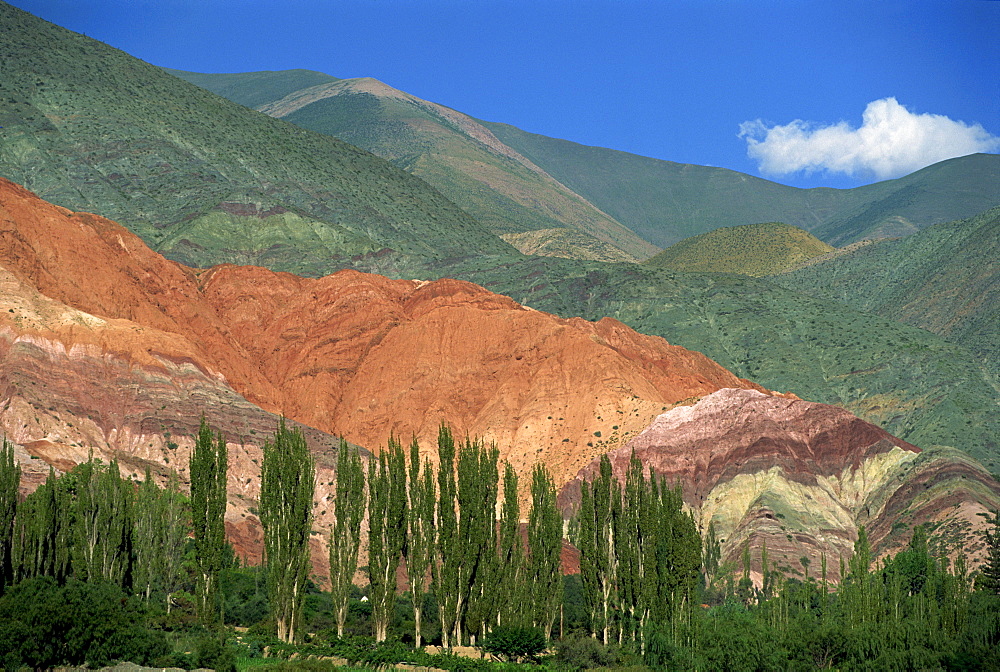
<point>661,201</point>
<point>202,179</point>
<point>945,279</point>
<point>917,385</point>
<point>351,354</point>
<point>801,477</point>
<point>751,249</point>
<point>111,119</point>
<point>665,202</point>
<point>107,348</point>
<point>448,149</point>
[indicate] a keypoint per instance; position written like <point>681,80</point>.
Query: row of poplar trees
<point>440,523</point>
<point>455,527</point>
<point>640,553</point>
<point>94,525</point>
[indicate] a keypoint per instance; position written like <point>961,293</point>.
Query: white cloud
<point>892,141</point>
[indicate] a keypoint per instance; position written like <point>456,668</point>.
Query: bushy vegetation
<point>751,249</point>
<point>651,594</point>
<point>943,279</point>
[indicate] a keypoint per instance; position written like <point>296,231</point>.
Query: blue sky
<point>696,82</point>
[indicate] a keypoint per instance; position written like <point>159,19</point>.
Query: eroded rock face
<point>801,477</point>
<point>357,354</point>
<point>107,349</point>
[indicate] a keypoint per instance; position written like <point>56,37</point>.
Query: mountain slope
<point>350,353</point>
<point>751,249</point>
<point>200,178</point>
<point>915,384</point>
<point>665,202</point>
<point>945,279</point>
<point>128,378</point>
<point>801,477</point>
<point>450,150</point>
<point>251,89</point>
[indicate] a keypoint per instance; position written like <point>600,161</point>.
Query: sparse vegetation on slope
<point>751,249</point>
<point>200,178</point>
<point>945,279</point>
<point>915,384</point>
<point>451,151</point>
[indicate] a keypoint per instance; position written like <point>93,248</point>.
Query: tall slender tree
<point>421,537</point>
<point>513,575</point>
<point>989,573</point>
<point>386,532</point>
<point>545,548</point>
<point>10,480</point>
<point>174,511</point>
<point>43,531</point>
<point>445,567</point>
<point>287,484</point>
<point>599,561</point>
<point>478,480</point>
<point>209,468</point>
<point>349,503</point>
<point>102,524</point>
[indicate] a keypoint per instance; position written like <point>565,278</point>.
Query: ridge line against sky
<point>809,94</point>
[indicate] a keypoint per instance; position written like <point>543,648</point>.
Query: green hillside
<point>665,202</point>
<point>251,89</point>
<point>945,279</point>
<point>751,249</point>
<point>916,384</point>
<point>201,179</point>
<point>449,150</point>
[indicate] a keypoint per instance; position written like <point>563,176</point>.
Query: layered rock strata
<point>801,477</point>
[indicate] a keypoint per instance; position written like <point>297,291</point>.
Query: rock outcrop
<point>802,477</point>
<point>356,354</point>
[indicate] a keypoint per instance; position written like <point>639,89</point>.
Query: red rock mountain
<point>801,477</point>
<point>349,354</point>
<point>106,347</point>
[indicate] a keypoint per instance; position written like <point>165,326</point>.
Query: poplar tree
<point>421,537</point>
<point>989,574</point>
<point>147,527</point>
<point>514,597</point>
<point>679,552</point>
<point>43,531</point>
<point>599,561</point>
<point>446,563</point>
<point>711,555</point>
<point>209,465</point>
<point>349,501</point>
<point>631,535</point>
<point>175,525</point>
<point>545,547</point>
<point>287,484</point>
<point>386,532</point>
<point>161,530</point>
<point>478,480</point>
<point>10,480</point>
<point>102,524</point>
<point>162,524</point>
